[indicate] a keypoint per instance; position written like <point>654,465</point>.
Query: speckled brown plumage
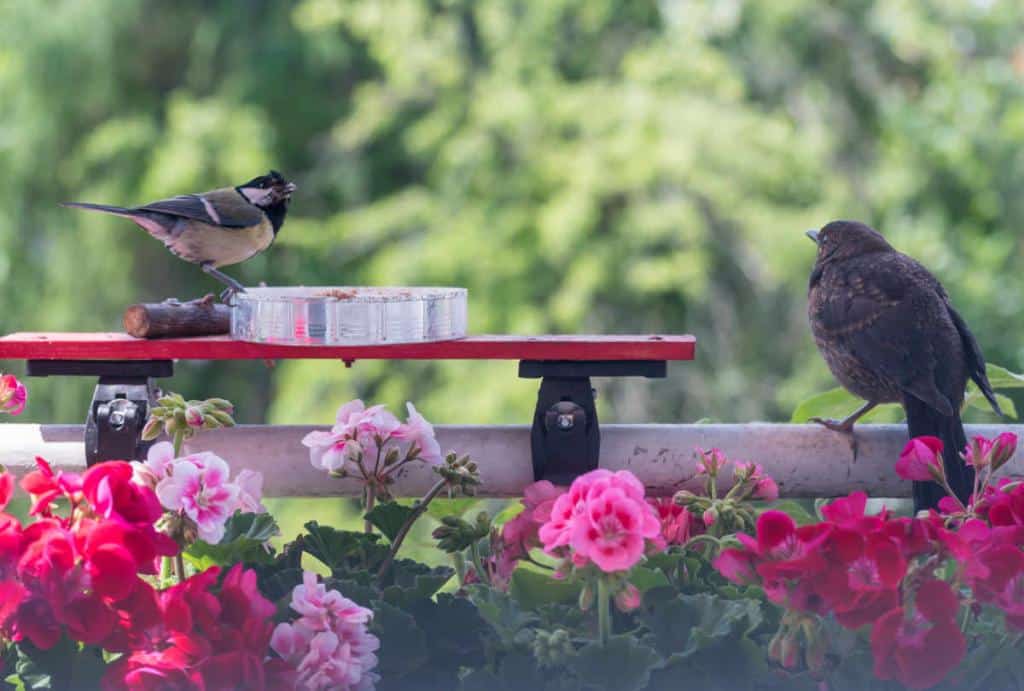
<point>889,334</point>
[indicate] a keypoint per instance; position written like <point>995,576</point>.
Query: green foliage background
<point>579,165</point>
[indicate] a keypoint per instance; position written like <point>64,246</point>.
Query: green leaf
<point>684,624</point>
<point>838,403</point>
<point>244,535</point>
<point>439,508</point>
<point>404,644</point>
<point>456,633</point>
<point>501,611</point>
<point>413,581</point>
<point>389,517</point>
<point>624,664</point>
<point>254,526</point>
<point>518,671</point>
<point>646,578</point>
<point>532,589</point>
<point>794,509</point>
<point>67,665</point>
<point>343,550</point>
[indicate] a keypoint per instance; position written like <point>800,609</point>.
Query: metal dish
<point>348,315</point>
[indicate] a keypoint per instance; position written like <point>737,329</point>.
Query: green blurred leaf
<point>645,578</point>
<point>439,508</point>
<point>975,399</point>
<point>1002,378</point>
<point>837,404</point>
<point>797,511</point>
<point>532,589</point>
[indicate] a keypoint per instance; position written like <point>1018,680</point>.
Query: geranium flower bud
<point>1003,448</point>
<point>921,460</point>
<point>194,417</point>
<point>628,598</point>
<point>152,429</point>
<point>978,452</point>
<point>711,462</point>
<point>710,516</point>
<point>587,597</point>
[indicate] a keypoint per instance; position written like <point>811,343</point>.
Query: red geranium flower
<point>919,649</point>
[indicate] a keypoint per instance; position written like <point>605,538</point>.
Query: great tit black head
<point>267,190</point>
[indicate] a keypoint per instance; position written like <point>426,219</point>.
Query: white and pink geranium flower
<point>328,644</point>
<point>202,491</point>
<point>199,486</point>
<point>362,439</point>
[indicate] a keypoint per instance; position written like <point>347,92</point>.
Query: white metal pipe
<point>806,460</point>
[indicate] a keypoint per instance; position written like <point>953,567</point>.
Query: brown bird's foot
<point>844,427</point>
<point>233,286</point>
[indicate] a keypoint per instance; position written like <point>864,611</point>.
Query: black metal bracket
<point>120,404</point>
<point>565,440</point>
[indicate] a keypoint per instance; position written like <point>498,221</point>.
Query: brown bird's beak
<point>813,235</point>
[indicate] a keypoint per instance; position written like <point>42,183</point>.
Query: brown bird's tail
<point>923,420</point>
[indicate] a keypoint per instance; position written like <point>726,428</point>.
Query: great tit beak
<point>289,187</point>
<point>813,235</point>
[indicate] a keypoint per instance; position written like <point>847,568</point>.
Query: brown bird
<point>888,332</point>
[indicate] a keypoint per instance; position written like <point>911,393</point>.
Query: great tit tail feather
<point>100,207</point>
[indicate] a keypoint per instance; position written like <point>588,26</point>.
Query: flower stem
<point>418,510</point>
<point>604,615</point>
<point>478,564</point>
<point>369,498</point>
<point>460,567</point>
<point>179,441</point>
<point>165,570</point>
<point>179,567</point>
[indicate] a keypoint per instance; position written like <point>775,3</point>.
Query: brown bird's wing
<point>224,207</point>
<point>879,318</point>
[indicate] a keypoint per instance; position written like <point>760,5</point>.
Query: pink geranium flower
<point>604,519</point>
<point>612,530</point>
<point>13,395</point>
<point>203,493</point>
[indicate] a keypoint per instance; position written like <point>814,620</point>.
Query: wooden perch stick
<point>171,319</point>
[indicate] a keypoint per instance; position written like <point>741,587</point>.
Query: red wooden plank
<point>117,346</point>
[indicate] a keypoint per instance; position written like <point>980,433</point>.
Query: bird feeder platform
<point>565,438</point>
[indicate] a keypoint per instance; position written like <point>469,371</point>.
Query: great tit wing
<point>226,208</point>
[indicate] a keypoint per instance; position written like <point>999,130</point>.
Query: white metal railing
<point>805,460</point>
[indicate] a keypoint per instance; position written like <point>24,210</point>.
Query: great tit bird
<point>214,229</point>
